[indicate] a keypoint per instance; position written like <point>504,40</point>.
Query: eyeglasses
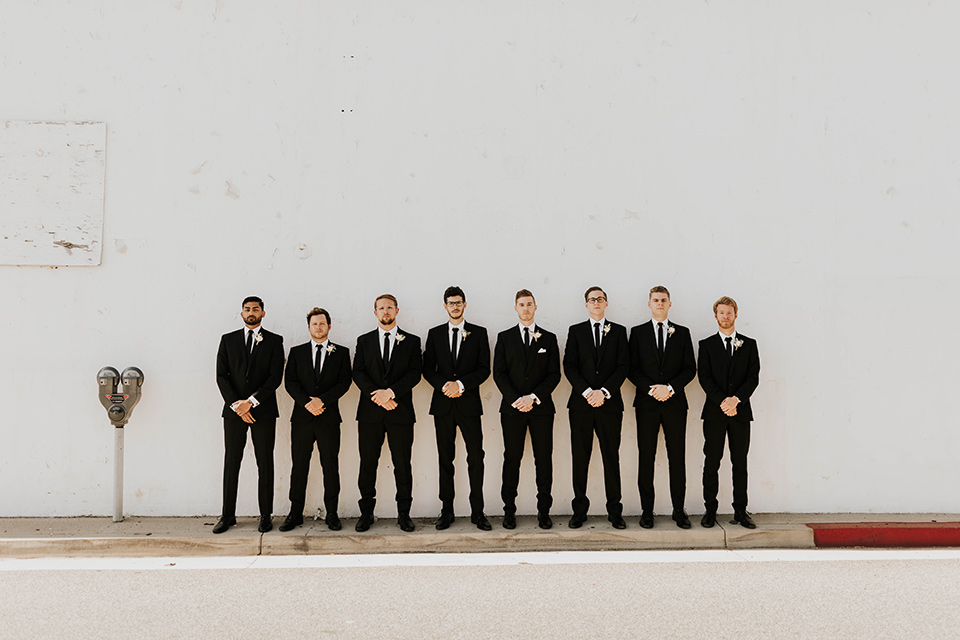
<point>597,300</point>
<point>456,304</point>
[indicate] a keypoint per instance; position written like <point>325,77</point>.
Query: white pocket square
<point>542,351</point>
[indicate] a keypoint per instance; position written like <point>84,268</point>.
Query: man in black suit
<point>317,376</point>
<point>526,369</point>
<point>596,362</point>
<point>661,365</point>
<point>729,372</point>
<point>455,362</point>
<point>386,367</point>
<point>249,370</point>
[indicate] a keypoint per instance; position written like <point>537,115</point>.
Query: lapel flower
<point>464,335</point>
<point>606,328</point>
<point>537,335</point>
<point>670,330</point>
<point>400,337</point>
<point>258,337</point>
<point>331,348</point>
<point>737,344</point>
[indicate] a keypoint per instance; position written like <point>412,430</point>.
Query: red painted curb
<point>886,534</point>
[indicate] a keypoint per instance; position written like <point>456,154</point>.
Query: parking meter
<point>119,406</point>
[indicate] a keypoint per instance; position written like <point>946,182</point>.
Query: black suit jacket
<point>520,371</point>
<point>402,375</point>
<point>584,370</point>
<point>722,376</point>
<point>677,368</point>
<point>471,368</point>
<point>303,383</point>
<point>258,374</point>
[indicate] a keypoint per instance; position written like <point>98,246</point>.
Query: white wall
<point>801,157</point>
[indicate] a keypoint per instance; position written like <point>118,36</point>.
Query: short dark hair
<point>727,300</point>
<point>453,292</point>
<point>386,296</point>
<point>249,299</point>
<point>317,311</point>
<point>658,289</point>
<point>524,293</point>
<point>587,294</point>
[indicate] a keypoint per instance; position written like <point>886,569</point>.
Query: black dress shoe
<point>333,522</point>
<point>577,520</point>
<point>509,521</point>
<point>405,523</point>
<point>544,521</point>
<point>617,521</point>
<point>223,524</point>
<point>680,517</point>
<point>744,520</point>
<point>266,524</point>
<point>445,520</point>
<point>709,519</point>
<point>481,521</point>
<point>291,522</point>
<point>365,522</point>
<point>646,519</point>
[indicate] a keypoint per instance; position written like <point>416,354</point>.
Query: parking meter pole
<point>118,474</point>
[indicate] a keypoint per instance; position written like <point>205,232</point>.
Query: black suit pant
<point>674,423</point>
<point>303,435</point>
<point>263,432</point>
<point>400,439</point>
<point>714,434</point>
<point>541,440</point>
<point>470,429</point>
<point>607,426</point>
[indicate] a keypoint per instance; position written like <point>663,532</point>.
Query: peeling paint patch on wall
<point>51,192</point>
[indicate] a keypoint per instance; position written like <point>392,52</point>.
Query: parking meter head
<point>107,378</point>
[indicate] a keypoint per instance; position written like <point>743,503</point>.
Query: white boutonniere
<point>258,338</point>
<point>464,335</point>
<point>606,328</point>
<point>537,335</point>
<point>400,337</point>
<point>331,348</point>
<point>671,330</point>
<point>737,344</point>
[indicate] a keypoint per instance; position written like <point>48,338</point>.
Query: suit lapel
<point>667,342</point>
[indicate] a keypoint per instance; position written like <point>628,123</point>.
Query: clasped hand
<point>384,398</point>
<point>451,389</point>
<point>729,405</point>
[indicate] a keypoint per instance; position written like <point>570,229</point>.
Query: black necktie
<point>526,336</point>
<point>730,346</point>
<point>660,338</point>
<point>386,350</point>
<point>316,365</point>
<point>596,338</point>
<point>249,342</point>
<point>453,345</point>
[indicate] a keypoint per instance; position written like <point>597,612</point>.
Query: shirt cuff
<point>253,401</point>
<point>587,392</point>
<point>460,384</point>
<point>606,394</point>
<point>536,400</point>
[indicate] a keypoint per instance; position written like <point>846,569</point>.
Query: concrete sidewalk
<point>143,537</point>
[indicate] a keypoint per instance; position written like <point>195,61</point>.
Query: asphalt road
<point>696,594</point>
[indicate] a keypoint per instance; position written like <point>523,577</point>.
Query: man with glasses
<point>596,361</point>
<point>456,361</point>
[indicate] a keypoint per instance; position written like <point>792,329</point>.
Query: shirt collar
<point>533,328</point>
<point>724,338</point>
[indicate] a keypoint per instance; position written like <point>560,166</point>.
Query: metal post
<point>118,474</point>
